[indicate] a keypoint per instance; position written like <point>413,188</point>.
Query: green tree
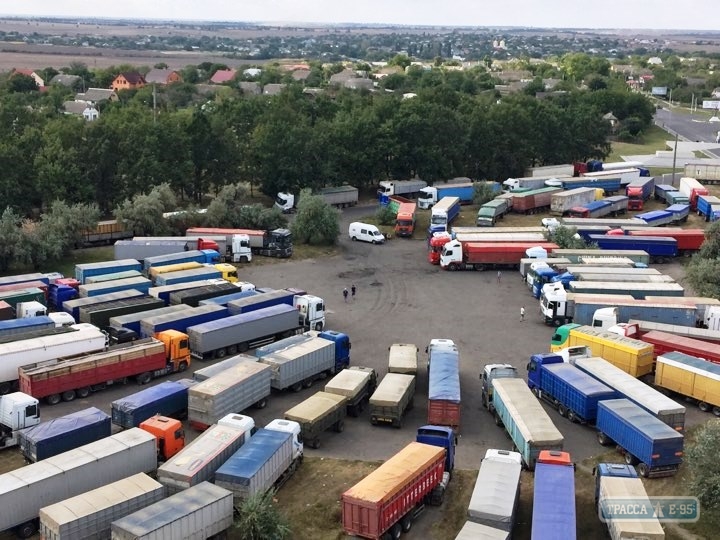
<point>10,238</point>
<point>385,215</point>
<point>567,238</point>
<point>703,272</point>
<point>20,82</point>
<point>225,207</point>
<point>316,222</point>
<point>401,60</point>
<point>143,214</point>
<point>701,457</point>
<point>66,222</point>
<point>483,193</point>
<point>258,519</point>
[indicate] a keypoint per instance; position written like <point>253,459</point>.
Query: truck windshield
<point>282,240</point>
<point>438,220</point>
<point>404,222</point>
<point>424,194</point>
<point>280,200</point>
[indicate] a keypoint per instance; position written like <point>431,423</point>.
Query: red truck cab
<point>436,243</point>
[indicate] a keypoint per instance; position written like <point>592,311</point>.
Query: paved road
<point>689,127</point>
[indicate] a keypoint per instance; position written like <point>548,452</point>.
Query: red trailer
<point>385,499</point>
<point>688,240</point>
<point>27,285</point>
<point>533,201</point>
<point>143,359</point>
<point>481,255</point>
<point>663,342</point>
<point>444,413</point>
<point>6,311</point>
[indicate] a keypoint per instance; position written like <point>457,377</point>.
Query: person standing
<point>353,289</point>
<point>522,314</point>
<point>499,275</point>
<point>345,294</point>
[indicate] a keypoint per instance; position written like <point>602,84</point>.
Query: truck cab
<point>24,310</point>
<point>241,251</point>
<point>534,371</point>
<point>311,310</point>
<point>436,344</point>
<point>177,349</point>
<point>553,304</point>
<point>620,470</point>
<point>285,202</point>
<point>239,421</point>
<point>342,347</point>
<point>169,433</point>
<point>452,253</point>
<point>490,372</point>
<point>228,271</point>
<point>560,337</point>
<point>288,426</point>
<point>435,245</point>
<point>61,319</point>
<point>17,411</point>
<point>441,436</point>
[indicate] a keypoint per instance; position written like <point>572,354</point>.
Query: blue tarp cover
<point>444,376</point>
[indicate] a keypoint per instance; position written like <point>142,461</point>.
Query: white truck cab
<point>239,421</point>
<point>288,426</point>
<point>62,318</point>
<point>489,373</point>
<point>438,343</point>
<point>241,252</point>
<point>427,197</point>
<point>285,202</point>
<point>312,311</point>
<point>244,286</point>
<point>24,310</point>
<point>17,411</point>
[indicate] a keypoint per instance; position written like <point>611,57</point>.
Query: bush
<point>385,216</point>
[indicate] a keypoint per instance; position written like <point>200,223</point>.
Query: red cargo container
<point>688,240</point>
<point>663,342</point>
<point>145,359</point>
<point>500,252</point>
<point>26,285</point>
<point>381,499</point>
<point>532,203</point>
<point>444,413</point>
<point>6,311</point>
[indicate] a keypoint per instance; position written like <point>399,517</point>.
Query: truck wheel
<point>53,399</point>
<point>453,267</point>
<point>261,404</point>
<point>571,416</point>
<point>232,350</point>
<point>644,470</point>
<point>315,443</point>
<point>557,323</point>
<point>319,327</point>
<point>536,391</point>
<point>83,392</point>
<point>630,459</point>
<point>396,532</point>
<point>244,260</point>
<point>498,422</point>
<point>716,411</point>
<point>182,366</point>
<point>704,407</point>
<point>220,353</point>
<point>308,382</point>
<point>296,387</point>
<point>562,410</point>
<point>339,426</point>
<point>144,378</point>
<point>243,347</point>
<point>69,395</point>
<point>603,439</point>
<point>26,530</point>
<point>397,424</point>
<point>373,421</point>
<point>353,238</point>
<point>407,522</point>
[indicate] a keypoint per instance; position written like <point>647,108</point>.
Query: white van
<point>366,233</point>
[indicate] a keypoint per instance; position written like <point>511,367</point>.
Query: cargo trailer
<point>205,373</point>
<point>562,202</point>
<point>202,256</point>
<point>635,289</point>
<point>131,321</point>
<point>14,327</point>
<point>100,314</point>
<point>475,531</point>
<point>612,489</point>
<point>73,306</point>
<point>692,377</point>
<point>192,297</point>
<point>356,384</point>
<point>496,494</point>
<point>185,276</point>
<point>24,278</point>
<point>444,387</point>
<point>553,513</point>
<point>224,299</point>
<point>317,414</point>
<point>181,320</point>
<point>665,343</point>
<point>84,271</point>
<point>263,300</point>
<point>392,399</point>
<point>15,297</point>
<point>112,277</point>
<point>403,358</point>
<point>167,399</point>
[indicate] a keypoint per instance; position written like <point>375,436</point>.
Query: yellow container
<point>689,376</point>
<point>155,271</point>
<point>228,271</point>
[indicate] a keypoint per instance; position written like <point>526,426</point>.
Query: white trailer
<point>301,364</point>
<point>82,339</point>
<point>201,511</point>
<point>403,358</point>
<point>495,497</point>
<point>551,170</point>
<point>563,201</point>
<point>406,188</point>
<point>613,488</point>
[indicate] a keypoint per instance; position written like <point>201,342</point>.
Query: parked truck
<point>403,358</point>
<point>457,255</point>
<point>639,191</point>
<point>168,399</point>
<point>407,188</point>
<point>527,423</point>
<point>534,201</point>
<point>338,196</point>
<point>72,306</point>
<point>202,511</point>
<point>24,278</point>
<point>24,491</point>
<point>532,182</point>
<point>692,189</point>
<point>19,296</point>
<point>59,435</point>
<point>390,498</point>
<point>443,214</point>
<point>444,386</point>
<point>495,497</point>
<point>225,299</point>
<point>263,300</point>
<point>198,461</point>
<point>168,432</point>
<point>591,310</point>
<point>432,195</point>
<point>492,211</point>
<point>356,384</point>
<point>205,373</point>
<point>301,364</point>
<point>141,360</point>
<point>567,169</point>
<point>131,321</point>
<point>112,277</point>
<point>563,201</point>
<point>706,170</point>
<point>665,343</point>
<point>594,209</point>
<point>185,276</point>
<point>90,514</point>
<point>193,297</point>
<point>84,271</point>
<point>18,411</point>
<point>181,320</point>
<point>573,392</point>
<point>636,289</point>
<point>231,391</point>
<point>100,314</point>
<point>164,292</point>
<point>275,243</point>
<point>392,398</point>
<point>617,482</point>
<point>142,248</point>
<point>405,220</point>
<point>692,377</point>
<point>553,513</point>
<point>200,256</point>
<point>708,206</point>
<point>15,327</point>
<point>488,374</point>
<point>655,447</point>
<point>317,414</point>
<point>636,328</point>
<point>265,462</point>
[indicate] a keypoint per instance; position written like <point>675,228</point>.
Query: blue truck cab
<point>441,436</point>
<point>620,470</point>
<point>544,275</point>
<point>342,347</point>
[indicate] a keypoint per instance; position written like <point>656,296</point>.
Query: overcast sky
<point>657,14</point>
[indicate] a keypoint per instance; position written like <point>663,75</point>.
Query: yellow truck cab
<point>177,348</point>
<point>228,271</point>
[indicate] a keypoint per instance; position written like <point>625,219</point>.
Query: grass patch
<point>652,139</point>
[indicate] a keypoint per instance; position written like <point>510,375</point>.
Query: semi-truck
<point>655,447</point>
<point>534,201</point>
<point>495,497</point>
<point>105,287</point>
<point>73,306</point>
<point>595,311</point>
<point>692,189</point>
<point>275,243</point>
<point>169,433</point>
<point>692,377</point>
<point>609,184</point>
<point>24,491</point>
<point>185,276</point>
<point>231,391</point>
<point>84,271</point>
<point>553,513</point>
<point>431,195</point>
<point>142,248</point>
<point>167,398</point>
<point>405,220</point>
<point>638,191</point>
<point>18,411</point>
<point>225,299</point>
<point>628,387</point>
<point>233,248</point>
<point>487,375</point>
<point>563,201</point>
<point>198,461</point>
<point>594,209</point>
<point>708,206</point>
<point>573,392</point>
<point>707,170</point>
<point>238,333</point>
<point>202,511</point>
<point>265,462</point>
<point>664,343</point>
<point>660,192</point>
<point>24,278</point>
<point>317,414</point>
<point>406,188</point>
<point>618,204</point>
<point>567,169</point>
<point>80,339</point>
<point>59,435</point>
<point>524,419</point>
<point>16,297</point>
<point>392,398</point>
<point>391,497</point>
<point>660,248</point>
<point>457,255</point>
<point>339,196</point>
<point>532,182</point>
<point>619,482</point>
<point>100,314</point>
<point>299,365</point>
<point>164,292</point>
<point>443,214</point>
<point>15,327</point>
<point>636,328</point>
<point>403,358</point>
<point>492,211</point>
<point>141,360</point>
<point>444,386</point>
<point>131,321</point>
<point>657,218</point>
<point>181,320</point>
<point>263,300</point>
<point>200,256</point>
<point>356,384</point>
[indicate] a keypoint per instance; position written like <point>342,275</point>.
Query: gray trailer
<point>199,460</point>
<point>231,391</point>
<point>392,398</point>
<point>317,414</point>
<point>90,514</point>
<point>496,494</point>
<point>201,511</point>
<point>623,278</point>
<point>24,491</point>
<point>301,364</point>
<point>237,333</point>
<point>357,384</point>
<point>563,201</point>
<point>475,531</point>
<point>340,196</point>
<point>205,373</point>
<point>142,249</point>
<point>403,358</point>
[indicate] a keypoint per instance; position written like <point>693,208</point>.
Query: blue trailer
<point>166,399</point>
<point>84,271</point>
<point>131,321</point>
<point>655,447</point>
<point>594,209</point>
<point>111,277</point>
<point>661,190</point>
<point>63,434</point>
<point>656,218</point>
<point>443,214</point>
<point>202,256</point>
<point>105,287</point>
<point>465,192</point>
<point>709,207</point>
<point>13,327</point>
<point>609,185</point>
<point>575,393</point>
<point>680,212</point>
<point>548,275</point>
<point>226,298</point>
<point>73,306</point>
<point>263,300</point>
<point>658,247</point>
<point>181,320</point>
<point>186,276</point>
<point>553,514</point>
<point>583,311</point>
